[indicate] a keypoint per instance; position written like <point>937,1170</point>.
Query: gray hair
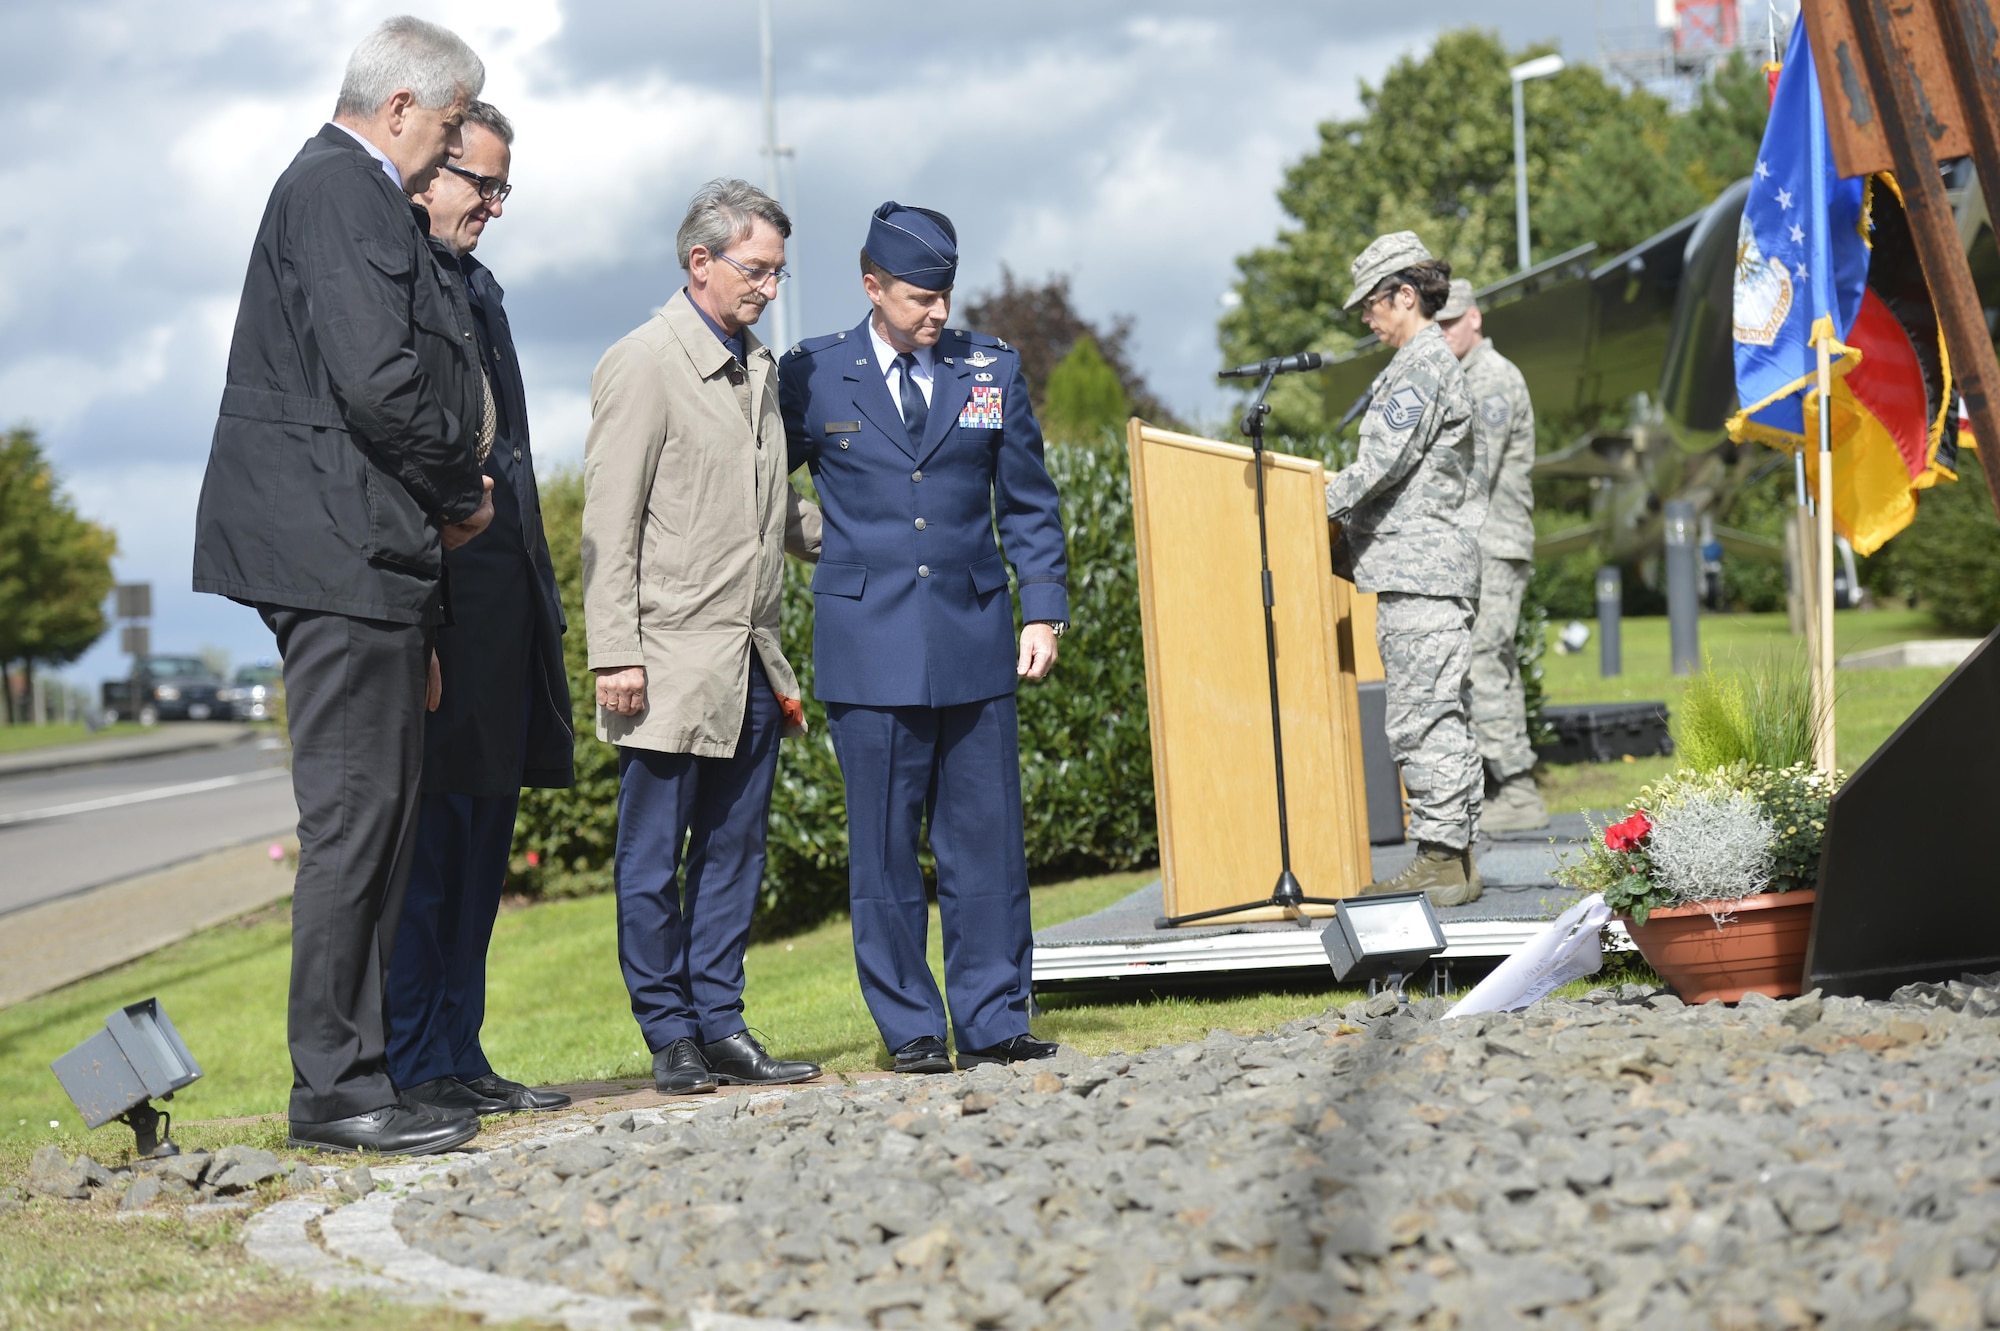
<point>433,63</point>
<point>722,213</point>
<point>487,116</point>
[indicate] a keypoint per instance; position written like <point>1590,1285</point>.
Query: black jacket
<point>346,432</point>
<point>504,641</point>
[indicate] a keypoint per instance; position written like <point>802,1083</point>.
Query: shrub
<point>1717,835</point>
<point>1796,800</point>
<point>1086,749</point>
<point>1762,717</point>
<point>1710,839</point>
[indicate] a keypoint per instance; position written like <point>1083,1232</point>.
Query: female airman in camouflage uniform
<point>1411,507</point>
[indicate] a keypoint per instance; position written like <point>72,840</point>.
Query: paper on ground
<point>1569,949</point>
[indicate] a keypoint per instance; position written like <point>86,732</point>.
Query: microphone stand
<point>1286,895</point>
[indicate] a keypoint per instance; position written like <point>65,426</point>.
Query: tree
<point>1432,152</point>
<point>1084,397</point>
<point>55,567</point>
<point>1042,324</point>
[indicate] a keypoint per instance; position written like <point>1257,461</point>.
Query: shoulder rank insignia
<point>1493,409</point>
<point>1403,408</point>
<point>980,360</point>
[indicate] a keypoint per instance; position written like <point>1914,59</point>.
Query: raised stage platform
<point>1120,942</point>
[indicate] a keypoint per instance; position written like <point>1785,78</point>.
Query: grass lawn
<point>1868,705</point>
<point>15,738</point>
<point>556,1010</point>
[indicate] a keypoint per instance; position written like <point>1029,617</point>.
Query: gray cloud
<point>1134,147</point>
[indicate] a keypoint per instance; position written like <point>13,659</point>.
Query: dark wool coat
<point>346,432</point>
<point>504,720</point>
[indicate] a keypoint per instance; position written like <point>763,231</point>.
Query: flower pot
<point>1727,949</point>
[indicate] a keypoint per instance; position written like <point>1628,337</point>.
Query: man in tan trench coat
<point>687,517</point>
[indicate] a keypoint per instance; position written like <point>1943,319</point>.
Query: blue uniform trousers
<point>437,973</point>
<point>681,944</point>
<point>960,768</point>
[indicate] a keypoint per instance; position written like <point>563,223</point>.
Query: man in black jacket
<point>500,716</point>
<point>342,467</point>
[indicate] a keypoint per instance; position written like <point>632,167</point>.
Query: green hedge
<point>1086,754</point>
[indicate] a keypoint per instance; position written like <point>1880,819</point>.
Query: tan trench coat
<point>687,516</point>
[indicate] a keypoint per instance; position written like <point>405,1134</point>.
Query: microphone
<point>1304,360</point>
<point>1361,404</point>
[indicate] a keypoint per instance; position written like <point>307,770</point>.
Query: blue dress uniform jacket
<point>910,596</point>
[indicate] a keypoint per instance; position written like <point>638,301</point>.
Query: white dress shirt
<point>892,373</point>
<point>388,167</point>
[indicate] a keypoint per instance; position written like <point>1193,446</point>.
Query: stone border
<point>363,1251</point>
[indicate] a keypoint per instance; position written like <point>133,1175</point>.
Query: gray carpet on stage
<point>1515,866</point>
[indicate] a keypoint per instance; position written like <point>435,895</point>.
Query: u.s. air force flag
<point>1801,259</point>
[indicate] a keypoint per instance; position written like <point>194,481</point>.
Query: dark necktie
<point>916,412</point>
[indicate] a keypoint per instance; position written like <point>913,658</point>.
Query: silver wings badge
<point>980,359</point>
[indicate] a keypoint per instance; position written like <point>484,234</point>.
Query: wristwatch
<point>1056,626</point>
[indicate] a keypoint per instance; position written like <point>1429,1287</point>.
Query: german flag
<point>1895,413</point>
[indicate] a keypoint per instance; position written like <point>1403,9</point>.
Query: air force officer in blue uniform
<point>918,437</point>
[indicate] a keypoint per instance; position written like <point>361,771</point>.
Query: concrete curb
<point>198,735</point>
<point>364,1252</point>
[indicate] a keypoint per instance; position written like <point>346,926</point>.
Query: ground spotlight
<point>117,1073</point>
<point>1385,938</point>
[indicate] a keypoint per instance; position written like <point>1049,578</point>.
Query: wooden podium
<point>1194,509</point>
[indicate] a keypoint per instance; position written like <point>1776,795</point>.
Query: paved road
<point>62,832</point>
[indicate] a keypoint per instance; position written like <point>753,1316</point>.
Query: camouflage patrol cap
<point>1385,256</point>
<point>1460,300</point>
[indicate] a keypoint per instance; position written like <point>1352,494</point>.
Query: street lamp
<point>1539,67</point>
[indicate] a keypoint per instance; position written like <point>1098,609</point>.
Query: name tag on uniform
<point>842,427</point>
<point>982,410</point>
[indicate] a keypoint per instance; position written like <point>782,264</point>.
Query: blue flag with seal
<point>1801,260</point>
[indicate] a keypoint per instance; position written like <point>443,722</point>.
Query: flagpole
<point>1823,320</point>
<point>1822,662</point>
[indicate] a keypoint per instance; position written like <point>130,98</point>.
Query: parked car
<point>254,693</point>
<point>166,688</point>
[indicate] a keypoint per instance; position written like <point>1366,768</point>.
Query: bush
<point>1948,559</point>
<point>1086,748</point>
<point>1706,836</point>
<point>1763,717</point>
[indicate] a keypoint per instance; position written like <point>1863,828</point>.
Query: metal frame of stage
<point>1283,948</point>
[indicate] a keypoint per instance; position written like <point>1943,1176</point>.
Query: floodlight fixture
<point>1384,938</point>
<point>117,1073</point>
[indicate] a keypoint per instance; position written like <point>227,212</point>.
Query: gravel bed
<point>1621,1161</point>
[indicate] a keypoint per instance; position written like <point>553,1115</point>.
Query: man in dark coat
<point>341,469</point>
<point>500,715</point>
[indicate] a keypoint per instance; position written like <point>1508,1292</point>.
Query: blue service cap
<point>918,245</point>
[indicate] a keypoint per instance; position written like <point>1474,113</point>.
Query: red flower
<point>534,859</point>
<point>1628,834</point>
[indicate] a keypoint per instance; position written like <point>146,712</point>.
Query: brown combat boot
<point>1447,876</point>
<point>1515,807</point>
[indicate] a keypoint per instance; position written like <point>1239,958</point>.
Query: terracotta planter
<point>1759,947</point>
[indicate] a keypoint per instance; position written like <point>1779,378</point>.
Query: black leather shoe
<point>926,1053</point>
<point>397,1130</point>
<point>519,1099</point>
<point>449,1093</point>
<point>1020,1049</point>
<point>679,1069</point>
<point>738,1060</point>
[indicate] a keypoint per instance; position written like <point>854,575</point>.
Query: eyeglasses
<point>491,189</point>
<point>756,277</point>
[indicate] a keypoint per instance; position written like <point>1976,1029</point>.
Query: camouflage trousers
<point>1499,711</point>
<point>1426,644</point>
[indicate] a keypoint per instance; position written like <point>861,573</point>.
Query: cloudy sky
<point>1135,147</point>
